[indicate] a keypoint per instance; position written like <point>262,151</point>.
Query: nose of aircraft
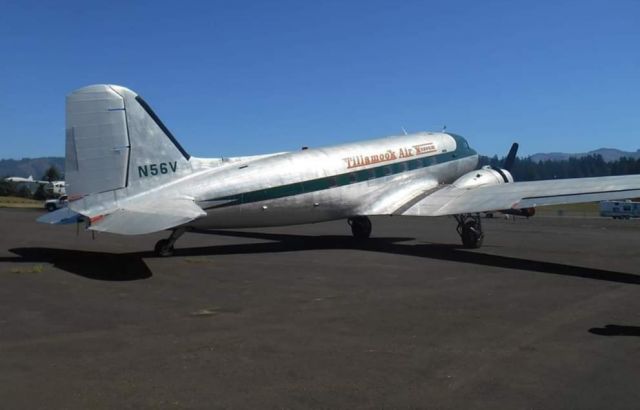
<point>462,144</point>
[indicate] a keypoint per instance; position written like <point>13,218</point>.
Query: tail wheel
<point>360,227</point>
<point>163,248</point>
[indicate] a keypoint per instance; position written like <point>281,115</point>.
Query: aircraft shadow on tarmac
<point>131,266</point>
<point>616,330</point>
<point>92,265</point>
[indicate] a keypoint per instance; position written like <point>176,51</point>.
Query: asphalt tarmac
<point>546,315</point>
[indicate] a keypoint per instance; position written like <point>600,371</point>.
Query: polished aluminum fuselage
<point>323,184</point>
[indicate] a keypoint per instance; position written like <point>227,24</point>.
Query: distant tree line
<point>22,190</point>
<point>524,169</point>
<point>12,189</point>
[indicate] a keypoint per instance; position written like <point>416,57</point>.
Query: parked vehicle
<point>57,203</point>
<point>620,209</point>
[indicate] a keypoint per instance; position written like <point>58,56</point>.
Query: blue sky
<point>247,77</point>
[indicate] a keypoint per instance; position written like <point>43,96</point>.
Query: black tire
<point>162,248</point>
<point>51,207</point>
<point>360,227</point>
<point>471,236</point>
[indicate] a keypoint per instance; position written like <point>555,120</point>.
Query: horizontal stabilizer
<point>138,219</point>
<point>62,216</point>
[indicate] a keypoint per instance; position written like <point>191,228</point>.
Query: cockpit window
<point>460,141</point>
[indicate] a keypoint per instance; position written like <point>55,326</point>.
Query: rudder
<point>115,141</point>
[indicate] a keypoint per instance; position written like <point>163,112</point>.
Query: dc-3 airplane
<point>127,174</point>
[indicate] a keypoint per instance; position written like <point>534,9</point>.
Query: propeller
<point>511,157</point>
<point>508,163</point>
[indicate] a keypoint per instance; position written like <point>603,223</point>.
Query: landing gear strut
<point>164,247</point>
<point>360,227</point>
<point>470,230</point>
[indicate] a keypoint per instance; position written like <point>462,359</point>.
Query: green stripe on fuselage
<point>335,181</point>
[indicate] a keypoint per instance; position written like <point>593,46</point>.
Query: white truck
<point>56,203</point>
<point>624,209</point>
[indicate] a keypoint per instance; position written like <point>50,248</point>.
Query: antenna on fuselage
<point>444,128</point>
<point>403,130</point>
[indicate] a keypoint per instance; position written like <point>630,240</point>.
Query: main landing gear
<point>164,247</point>
<point>470,230</point>
<point>360,227</point>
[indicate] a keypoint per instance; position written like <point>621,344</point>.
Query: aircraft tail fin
<point>114,142</point>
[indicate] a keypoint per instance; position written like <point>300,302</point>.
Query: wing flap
<point>392,199</point>
<point>518,195</point>
<point>138,219</point>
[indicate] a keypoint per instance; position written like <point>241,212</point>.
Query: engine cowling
<point>484,176</point>
<point>488,175</point>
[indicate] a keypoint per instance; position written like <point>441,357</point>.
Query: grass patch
<point>215,310</point>
<point>28,269</point>
<point>193,259</point>
<point>17,202</point>
<point>587,208</point>
<point>205,312</point>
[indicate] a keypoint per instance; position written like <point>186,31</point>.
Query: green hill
<point>26,167</point>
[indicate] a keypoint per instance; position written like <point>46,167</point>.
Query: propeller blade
<point>511,157</point>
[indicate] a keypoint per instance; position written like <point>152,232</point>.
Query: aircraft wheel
<point>360,227</point>
<point>163,248</point>
<point>472,237</point>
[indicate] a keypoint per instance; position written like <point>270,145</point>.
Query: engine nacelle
<point>526,212</point>
<point>487,175</point>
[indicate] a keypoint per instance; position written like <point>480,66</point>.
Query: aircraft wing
<point>141,218</point>
<point>451,200</point>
